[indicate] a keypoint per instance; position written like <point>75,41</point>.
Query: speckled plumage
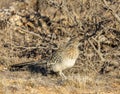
<point>65,57</point>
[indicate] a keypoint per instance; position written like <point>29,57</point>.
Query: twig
<point>28,47</point>
<point>97,51</point>
<point>29,32</point>
<point>98,42</point>
<point>112,11</point>
<point>20,28</point>
<point>34,47</point>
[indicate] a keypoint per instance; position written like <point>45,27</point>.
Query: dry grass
<point>17,83</point>
<point>5,3</point>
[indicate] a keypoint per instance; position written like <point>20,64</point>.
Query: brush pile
<point>34,29</point>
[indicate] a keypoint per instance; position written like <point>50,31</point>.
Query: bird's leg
<point>62,75</point>
<point>61,82</point>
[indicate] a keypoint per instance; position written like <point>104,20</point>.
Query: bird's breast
<point>69,62</point>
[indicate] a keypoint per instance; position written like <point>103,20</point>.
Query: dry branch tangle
<point>44,30</point>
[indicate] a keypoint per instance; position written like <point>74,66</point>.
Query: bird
<point>65,57</point>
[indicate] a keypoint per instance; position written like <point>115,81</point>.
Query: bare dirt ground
<point>32,30</point>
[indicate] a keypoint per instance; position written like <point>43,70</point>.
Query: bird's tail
<point>26,65</point>
<point>42,67</point>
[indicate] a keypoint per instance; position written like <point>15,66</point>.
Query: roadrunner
<point>65,57</point>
